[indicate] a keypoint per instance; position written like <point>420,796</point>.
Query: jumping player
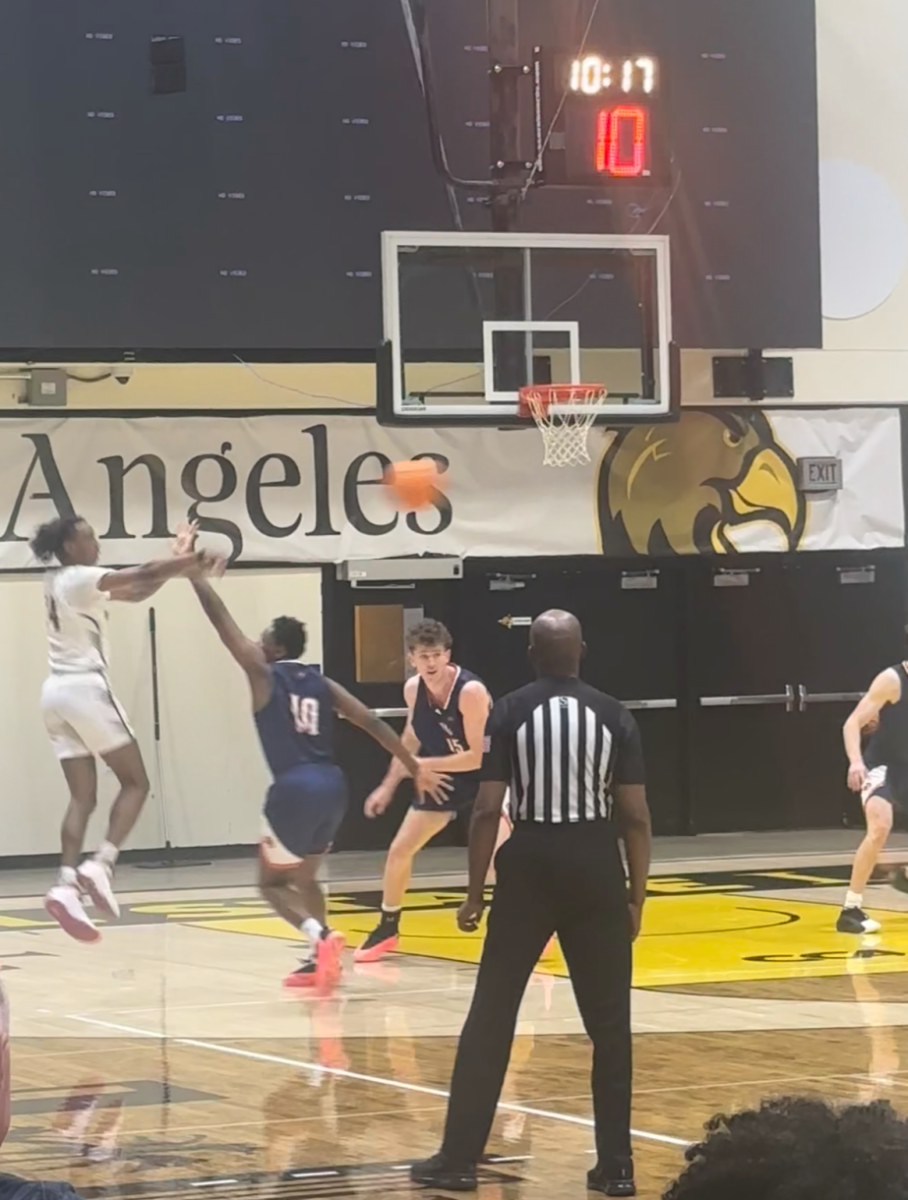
<point>447,709</point>
<point>880,774</point>
<point>294,707</point>
<point>82,716</point>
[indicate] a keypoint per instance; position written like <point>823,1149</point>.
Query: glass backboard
<point>470,318</point>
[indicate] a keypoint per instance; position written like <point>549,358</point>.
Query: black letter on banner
<point>352,484</point>
<point>157,476</point>
<point>189,480</point>
<point>56,491</point>
<point>254,487</point>
<point>439,500</point>
<point>323,526</point>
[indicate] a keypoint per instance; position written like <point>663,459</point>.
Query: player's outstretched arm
<point>884,690</point>
<point>184,543</point>
<point>425,778</point>
<point>138,583</point>
<point>247,653</point>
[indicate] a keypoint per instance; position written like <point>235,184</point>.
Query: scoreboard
<point>599,118</point>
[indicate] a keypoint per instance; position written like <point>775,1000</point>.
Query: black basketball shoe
<point>616,1179</point>
<point>855,920</point>
<point>303,976</point>
<point>439,1171</point>
<point>381,941</point>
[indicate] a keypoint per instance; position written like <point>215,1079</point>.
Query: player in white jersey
<point>81,713</point>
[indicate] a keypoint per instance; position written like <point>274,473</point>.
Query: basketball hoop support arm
<point>505,73</point>
<point>508,172</point>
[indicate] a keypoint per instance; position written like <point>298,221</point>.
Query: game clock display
<point>600,119</point>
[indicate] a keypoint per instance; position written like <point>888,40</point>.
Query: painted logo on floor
<point>699,929</point>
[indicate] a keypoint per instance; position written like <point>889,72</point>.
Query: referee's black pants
<point>567,879</point>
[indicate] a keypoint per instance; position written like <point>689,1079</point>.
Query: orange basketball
<point>412,483</point>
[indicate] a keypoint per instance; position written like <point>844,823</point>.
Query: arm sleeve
<point>496,746</point>
<point>629,761</point>
<point>80,584</point>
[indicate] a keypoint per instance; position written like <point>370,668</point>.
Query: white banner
<point>292,489</point>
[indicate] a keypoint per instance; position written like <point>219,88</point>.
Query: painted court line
<point>279,1060</point>
<point>465,989</point>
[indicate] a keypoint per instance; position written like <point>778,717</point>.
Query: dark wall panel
<point>244,212</point>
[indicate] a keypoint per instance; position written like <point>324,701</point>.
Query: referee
<point>573,760</point>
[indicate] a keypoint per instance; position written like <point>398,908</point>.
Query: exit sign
<point>820,474</point>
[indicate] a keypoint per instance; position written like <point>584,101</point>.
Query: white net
<point>564,414</point>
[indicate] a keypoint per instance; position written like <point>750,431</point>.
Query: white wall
<point>208,775</point>
<point>863,109</point>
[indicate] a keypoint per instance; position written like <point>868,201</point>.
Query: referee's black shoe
<point>615,1180</point>
<point>439,1171</point>
<point>899,879</point>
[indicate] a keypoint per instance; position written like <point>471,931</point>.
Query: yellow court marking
<point>695,930</point>
<point>686,939</point>
<point>799,877</point>
<point>193,910</point>
<point>669,885</point>
<point>713,939</point>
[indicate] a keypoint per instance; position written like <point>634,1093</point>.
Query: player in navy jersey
<point>448,707</point>
<point>879,772</point>
<point>294,707</point>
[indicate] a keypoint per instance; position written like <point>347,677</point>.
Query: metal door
<point>742,659</point>
<point>631,622</point>
<point>850,620</point>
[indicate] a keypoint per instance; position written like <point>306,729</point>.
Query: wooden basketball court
<point>169,1060</point>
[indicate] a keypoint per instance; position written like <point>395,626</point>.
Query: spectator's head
<point>799,1149</point>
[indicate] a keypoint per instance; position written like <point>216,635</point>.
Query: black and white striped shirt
<point>561,745</point>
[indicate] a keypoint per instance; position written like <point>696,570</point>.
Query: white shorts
<point>82,716</point>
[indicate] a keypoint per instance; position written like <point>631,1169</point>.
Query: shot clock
<point>606,113</point>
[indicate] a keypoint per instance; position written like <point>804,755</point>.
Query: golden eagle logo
<point>693,487</point>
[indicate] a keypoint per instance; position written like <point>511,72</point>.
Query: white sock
<point>313,930</point>
<point>854,900</point>
<point>391,910</point>
<point>67,877</point>
<point>107,854</point>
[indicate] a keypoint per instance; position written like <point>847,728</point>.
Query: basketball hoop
<point>564,414</point>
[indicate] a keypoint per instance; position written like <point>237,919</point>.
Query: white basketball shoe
<point>95,877</point>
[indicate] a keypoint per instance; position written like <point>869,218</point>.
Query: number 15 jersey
<point>440,730</point>
<point>296,726</point>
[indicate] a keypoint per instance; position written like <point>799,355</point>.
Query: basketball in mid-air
<point>411,484</point>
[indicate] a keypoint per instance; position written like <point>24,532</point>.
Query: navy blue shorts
<point>889,783</point>
<point>303,810</point>
<point>460,800</point>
